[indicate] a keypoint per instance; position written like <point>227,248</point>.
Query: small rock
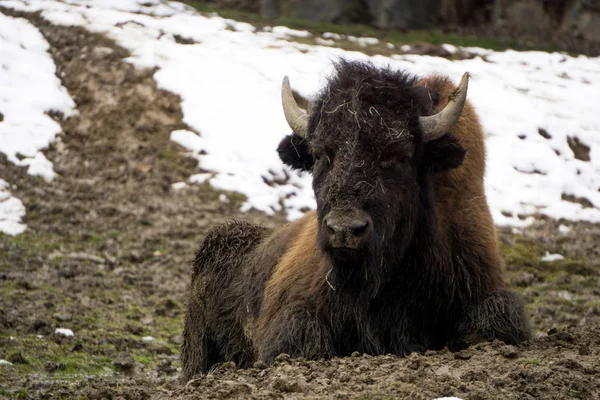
<point>462,355</point>
<point>286,386</point>
<point>355,354</point>
<point>584,350</point>
<point>63,317</point>
<point>135,329</point>
<point>77,347</point>
<point>344,377</point>
<point>54,366</point>
<point>135,255</point>
<point>509,351</point>
<point>124,364</point>
<point>260,365</point>
<point>524,279</point>
<point>282,358</point>
<point>561,335</point>
<point>166,368</point>
<point>226,366</point>
<point>177,339</point>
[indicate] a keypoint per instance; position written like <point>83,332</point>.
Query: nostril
<point>330,227</point>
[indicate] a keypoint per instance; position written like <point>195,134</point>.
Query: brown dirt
<point>108,251</point>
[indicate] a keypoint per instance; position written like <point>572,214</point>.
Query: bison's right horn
<point>436,126</point>
<point>294,115</point>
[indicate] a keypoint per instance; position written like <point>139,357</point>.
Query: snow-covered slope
<point>530,103</point>
<point>29,89</point>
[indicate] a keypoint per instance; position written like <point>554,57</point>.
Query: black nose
<point>348,231</point>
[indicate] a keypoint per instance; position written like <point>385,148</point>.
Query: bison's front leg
<point>297,332</point>
<point>498,316</point>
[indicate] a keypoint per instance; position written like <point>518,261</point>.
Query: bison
<point>401,254</point>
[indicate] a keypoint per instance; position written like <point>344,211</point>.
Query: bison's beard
<point>368,271</point>
<point>355,270</point>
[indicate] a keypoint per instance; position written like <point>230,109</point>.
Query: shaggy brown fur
<point>428,275</point>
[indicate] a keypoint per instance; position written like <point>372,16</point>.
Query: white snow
<point>147,338</point>
<point>64,332</point>
<point>200,178</point>
<point>11,212</point>
<point>230,85</point>
<point>448,398</point>
<point>564,229</point>
<point>4,362</point>
<point>552,257</point>
<point>284,32</point>
<point>188,139</point>
<point>330,35</point>
<point>325,42</point>
<point>179,186</point>
<point>364,41</point>
<point>450,48</point>
<point>29,90</point>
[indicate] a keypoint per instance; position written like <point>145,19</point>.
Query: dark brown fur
<point>435,282</point>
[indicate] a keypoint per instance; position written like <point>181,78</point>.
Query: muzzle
<point>349,229</point>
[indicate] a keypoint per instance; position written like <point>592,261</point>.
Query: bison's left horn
<point>294,115</point>
<point>436,126</point>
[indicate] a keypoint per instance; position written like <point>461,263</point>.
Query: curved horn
<point>436,126</point>
<point>295,117</point>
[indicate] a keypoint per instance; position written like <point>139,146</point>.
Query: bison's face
<point>370,157</point>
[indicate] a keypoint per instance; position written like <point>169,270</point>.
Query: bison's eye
<point>323,156</point>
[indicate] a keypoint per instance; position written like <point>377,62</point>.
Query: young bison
<point>401,254</point>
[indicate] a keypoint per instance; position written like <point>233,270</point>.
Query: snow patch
<point>179,186</point>
<point>564,229</point>
<point>450,48</point>
<point>284,32</point>
<point>11,212</point>
<point>552,257</point>
<point>330,35</point>
<point>64,332</point>
<point>188,139</point>
<point>364,41</point>
<point>29,90</point>
<point>200,178</point>
<point>325,42</point>
<point>448,398</point>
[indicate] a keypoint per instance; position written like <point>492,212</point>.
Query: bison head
<point>371,143</point>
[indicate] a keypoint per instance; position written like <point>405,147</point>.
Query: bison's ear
<point>443,154</point>
<point>293,151</point>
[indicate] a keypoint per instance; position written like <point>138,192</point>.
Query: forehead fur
<point>368,104</point>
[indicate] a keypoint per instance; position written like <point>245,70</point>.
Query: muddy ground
<point>108,250</point>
